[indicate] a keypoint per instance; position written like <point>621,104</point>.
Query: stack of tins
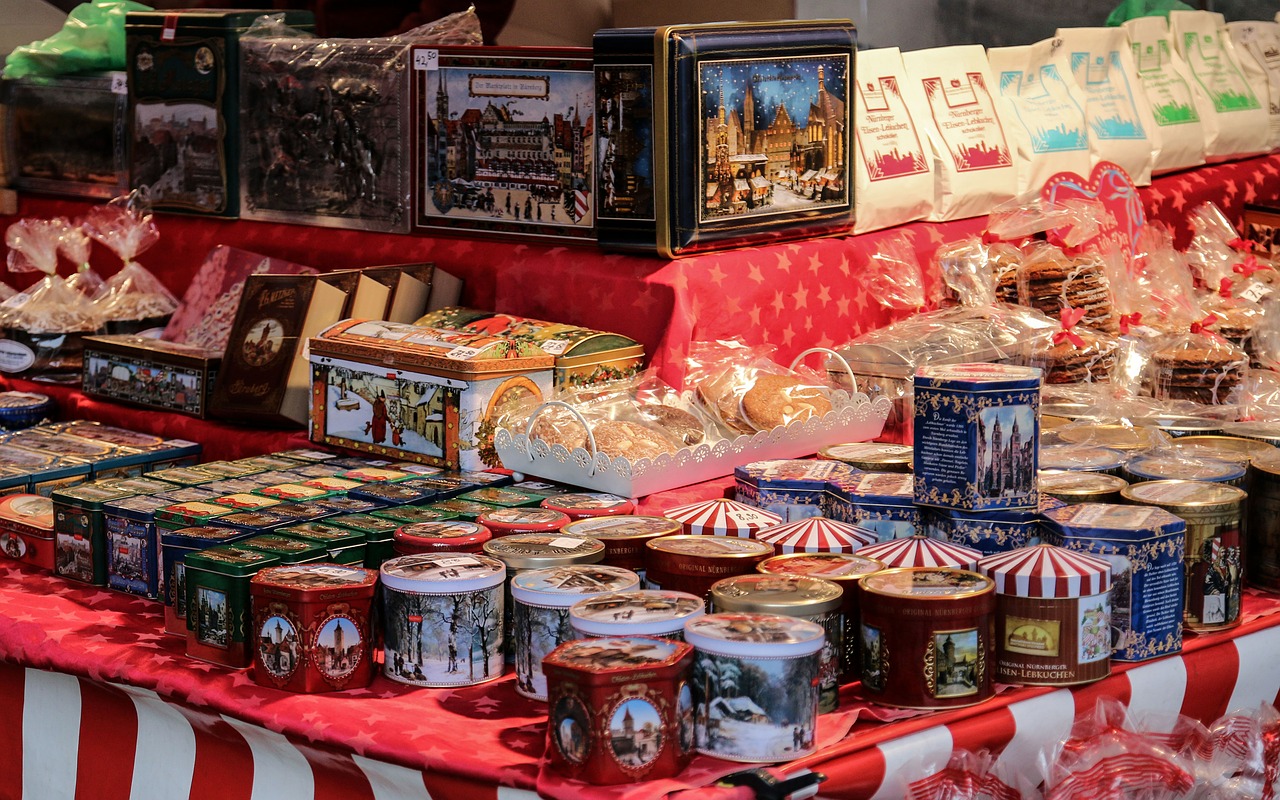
<point>442,619</point>
<point>1212,564</point>
<point>624,537</point>
<point>799,596</point>
<point>722,517</point>
<point>311,625</point>
<point>845,569</point>
<point>643,612</point>
<point>1053,615</point>
<point>817,535</point>
<point>621,709</point>
<point>938,623</point>
<point>921,551</point>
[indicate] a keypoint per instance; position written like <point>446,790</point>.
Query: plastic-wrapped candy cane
<point>134,299</point>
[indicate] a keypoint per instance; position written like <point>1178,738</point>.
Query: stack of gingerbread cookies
<point>1050,281</point>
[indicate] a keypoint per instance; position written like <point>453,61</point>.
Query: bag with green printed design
<point>1164,78</point>
<point>1235,121</point>
<point>1257,46</point>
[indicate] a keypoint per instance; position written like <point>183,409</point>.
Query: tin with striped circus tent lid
<point>722,517</point>
<point>1053,615</point>
<point>817,535</point>
<point>921,551</point>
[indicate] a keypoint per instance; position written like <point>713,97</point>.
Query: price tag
<point>119,83</point>
<point>744,517</point>
<point>1256,291</point>
<point>428,60</point>
<point>565,543</point>
<point>555,347</point>
<point>462,353</point>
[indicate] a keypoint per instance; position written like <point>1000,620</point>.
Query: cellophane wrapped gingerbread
<point>1200,366</point>
<point>1076,354</point>
<point>75,245</point>
<point>133,299</point>
<point>894,278</point>
<point>746,391</point>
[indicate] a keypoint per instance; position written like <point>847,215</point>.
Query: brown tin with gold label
<point>1078,486</point>
<point>693,563</point>
<point>871,456</point>
<point>928,637</point>
<point>1214,513</point>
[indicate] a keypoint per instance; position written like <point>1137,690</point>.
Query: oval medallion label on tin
<point>15,356</point>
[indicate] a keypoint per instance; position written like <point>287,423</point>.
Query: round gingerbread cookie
<point>780,400</point>
<point>621,439</point>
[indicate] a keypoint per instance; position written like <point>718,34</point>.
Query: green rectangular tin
<point>184,476</point>
<point>345,546</point>
<point>406,515</point>
<point>190,514</point>
<point>464,509</point>
<point>504,497</point>
<point>80,532</point>
<point>287,549</point>
<point>174,547</point>
<point>377,531</point>
<point>218,605</point>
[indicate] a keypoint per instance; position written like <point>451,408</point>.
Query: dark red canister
<point>506,521</point>
<point>624,536</point>
<point>620,709</point>
<point>311,627</point>
<point>454,536</point>
<point>584,505</point>
<point>692,563</point>
<point>928,637</point>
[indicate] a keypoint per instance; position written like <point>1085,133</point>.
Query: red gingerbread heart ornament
<point>1111,186</point>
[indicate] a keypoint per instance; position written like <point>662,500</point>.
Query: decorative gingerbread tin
<point>1224,448</point>
<point>620,709</point>
<point>624,537</point>
<point>871,456</point>
<point>844,569</point>
<point>447,485</point>
<point>504,497</point>
<point>1145,547</point>
<point>454,536</point>
<point>297,513</point>
<point>1214,513</point>
<point>542,488</point>
<point>462,509</point>
<point>1081,458</point>
<point>343,545</point>
<point>800,596</point>
<point>292,492</point>
<point>442,619</point>
<point>26,530</point>
<point>133,545</point>
<point>189,514</point>
<point>1080,486</point>
<point>540,614</point>
<point>778,720</point>
<point>722,517</point>
<point>24,409</point>
<point>408,515</point>
<point>977,433</point>
<point>341,506</point>
<point>1115,436</point>
<point>928,637</point>
<point>882,502</point>
<point>642,612</point>
<point>693,563</point>
<point>332,484</point>
<point>218,615</point>
<point>288,550</point>
<point>80,532</point>
<point>921,551</point>
<point>311,627</point>
<point>1262,567</point>
<point>394,494</point>
<point>1053,616</point>
<point>508,521</point>
<point>586,505</point>
<point>791,488</point>
<point>985,531</point>
<point>817,535</point>
<point>174,547</point>
<point>1161,468</point>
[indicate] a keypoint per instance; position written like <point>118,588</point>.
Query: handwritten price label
<point>428,60</point>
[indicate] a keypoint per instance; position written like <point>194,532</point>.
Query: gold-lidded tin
<point>1262,431</point>
<point>1179,426</point>
<point>1157,467</point>
<point>1214,513</point>
<point>928,637</point>
<point>1226,448</point>
<point>1262,531</point>
<point>799,596</point>
<point>871,456</point>
<point>692,563</point>
<point>624,536</point>
<point>1127,438</point>
<point>1053,616</point>
<point>1082,458</point>
<point>1077,486</point>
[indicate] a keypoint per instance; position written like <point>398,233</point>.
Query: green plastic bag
<point>92,38</point>
<point>1132,9</point>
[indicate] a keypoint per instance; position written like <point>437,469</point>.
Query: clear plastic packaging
<point>1200,366</point>
<point>895,279</point>
<point>75,245</point>
<point>742,388</point>
<point>133,299</point>
<point>970,776</point>
<point>1162,291</point>
<point>1245,760</point>
<point>1077,354</point>
<point>1049,280</point>
<point>979,274</point>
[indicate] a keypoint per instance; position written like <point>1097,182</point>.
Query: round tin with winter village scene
<point>540,617</point>
<point>620,709</point>
<point>755,685</point>
<point>928,637</point>
<point>311,627</point>
<point>442,618</point>
<point>643,612</point>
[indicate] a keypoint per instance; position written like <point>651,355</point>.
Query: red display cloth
<point>488,735</point>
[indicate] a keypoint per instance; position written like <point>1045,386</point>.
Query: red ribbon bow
<point>1202,326</point>
<point>990,238</point>
<point>1224,288</point>
<point>1247,267</point>
<point>1069,317</point>
<point>1127,320</point>
<point>1241,244</point>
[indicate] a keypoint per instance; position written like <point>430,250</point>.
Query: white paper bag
<point>1167,85</point>
<point>893,171</point>
<point>1257,47</point>
<point>1042,114</point>
<point>949,93</point>
<point>1235,121</point>
<point>1121,128</point>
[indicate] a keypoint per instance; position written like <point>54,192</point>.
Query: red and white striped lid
<point>1047,571</point>
<point>817,535</point>
<point>723,517</point>
<point>921,551</point>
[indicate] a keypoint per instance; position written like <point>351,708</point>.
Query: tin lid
<point>443,573</point>
<point>928,583</point>
<point>88,495</point>
<point>921,551</point>
<point>187,494</point>
<point>375,475</point>
<point>136,507</point>
<point>646,612</point>
<point>447,484</point>
<point>710,546</point>
<point>883,488</point>
<point>817,535</point>
<point>789,595</point>
<point>348,505</point>
<point>540,550</point>
<point>367,524</point>
<point>1154,468</point>
<point>623,526</point>
<point>1266,431</point>
<point>482,478</point>
<point>306,455</point>
<point>1186,496</point>
<point>333,484</point>
<point>1078,483</point>
<point>1107,519</point>
<point>870,455</point>
<point>1080,457</point>
<point>977,376</point>
<point>828,566</point>
<point>543,488</point>
<point>722,516</point>
<point>264,463</point>
<point>791,473</point>
<point>561,587</point>
<point>330,535</point>
<point>184,476</point>
<point>394,493</point>
<point>416,469</point>
<point>28,509</point>
<point>232,486</point>
<point>754,635</point>
<point>198,536</point>
<point>230,559</point>
<point>462,508</point>
<point>1226,448</point>
<point>1182,425</point>
<point>246,502</point>
<point>30,402</point>
<point>1047,571</point>
<point>254,520</point>
<point>230,469</point>
<point>455,533</point>
<point>286,548</point>
<point>523,519</point>
<point>596,504</point>
<point>1116,436</point>
<point>498,496</point>
<point>292,491</point>
<point>408,514</point>
<point>192,512</point>
<point>300,512</point>
<point>316,577</point>
<point>625,654</point>
<point>141,485</point>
